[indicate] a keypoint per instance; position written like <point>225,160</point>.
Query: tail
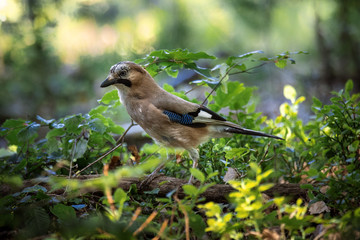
<point>249,132</point>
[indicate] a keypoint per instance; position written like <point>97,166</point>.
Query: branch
<point>119,143</point>
<point>217,193</point>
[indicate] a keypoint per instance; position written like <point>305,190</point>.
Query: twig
<point>266,152</point>
<point>172,217</point>
<point>249,69</point>
<point>72,157</point>
<point>228,73</point>
<point>218,84</point>
<point>110,151</point>
<point>147,221</point>
<point>134,217</point>
<point>187,225</point>
<point>162,229</point>
<point>192,89</point>
<point>108,191</point>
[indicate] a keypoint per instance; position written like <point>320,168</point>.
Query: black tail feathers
<point>250,132</point>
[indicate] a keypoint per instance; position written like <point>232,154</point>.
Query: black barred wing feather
<point>201,116</point>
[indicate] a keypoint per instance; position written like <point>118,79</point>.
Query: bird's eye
<point>122,73</point>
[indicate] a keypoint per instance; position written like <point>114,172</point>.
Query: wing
<point>203,117</point>
<point>198,118</point>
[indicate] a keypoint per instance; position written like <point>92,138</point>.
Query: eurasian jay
<point>168,119</point>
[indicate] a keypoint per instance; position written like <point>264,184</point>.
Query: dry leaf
<point>114,162</point>
<point>178,158</point>
<point>324,189</point>
<point>318,207</point>
<point>231,174</point>
<point>268,234</point>
<point>135,153</point>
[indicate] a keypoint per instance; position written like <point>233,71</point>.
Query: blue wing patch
<point>184,119</point>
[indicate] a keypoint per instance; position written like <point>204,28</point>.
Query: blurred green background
<point>54,54</point>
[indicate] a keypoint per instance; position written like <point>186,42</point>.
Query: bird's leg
<point>194,155</point>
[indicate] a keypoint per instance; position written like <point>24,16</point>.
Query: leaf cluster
<point>322,155</point>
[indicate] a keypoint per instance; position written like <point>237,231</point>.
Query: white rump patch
<point>204,114</point>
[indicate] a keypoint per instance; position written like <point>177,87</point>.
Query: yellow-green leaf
<point>290,93</point>
<point>198,174</point>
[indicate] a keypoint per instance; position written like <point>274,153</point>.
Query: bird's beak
<point>108,82</point>
<point>112,81</point>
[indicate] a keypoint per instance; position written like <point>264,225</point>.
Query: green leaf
<point>120,197</point>
<point>197,225</point>
<point>200,55</point>
<point>97,125</point>
<point>44,121</point>
<point>299,100</point>
<point>28,133</point>
<point>63,212</point>
<point>55,133</point>
<point>255,168</point>
<point>203,188</point>
<point>72,123</point>
<point>172,72</point>
<point>109,97</point>
<point>98,110</point>
<point>212,174</point>
<point>11,128</point>
<point>233,94</point>
<point>240,100</point>
<point>316,102</point>
<point>14,181</point>
<point>190,190</point>
<point>354,147</point>
<point>265,187</point>
<point>180,55</point>
<point>233,60</point>
<point>81,147</point>
<point>36,221</point>
<point>349,86</point>
<point>242,67</point>
<point>53,145</point>
<point>116,129</point>
<point>168,88</point>
<point>14,123</point>
<point>307,186</point>
<point>312,172</point>
<point>153,69</point>
<point>309,230</point>
<point>205,72</point>
<point>236,152</point>
<point>197,174</point>
<point>280,63</point>
<point>212,209</point>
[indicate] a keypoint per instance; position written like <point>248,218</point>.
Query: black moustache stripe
<point>126,82</point>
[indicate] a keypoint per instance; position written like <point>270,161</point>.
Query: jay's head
<point>126,76</point>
